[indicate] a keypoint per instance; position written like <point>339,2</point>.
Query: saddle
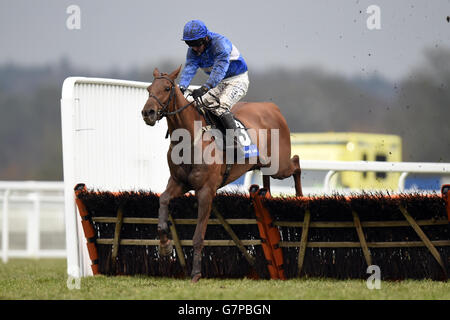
<point>214,122</point>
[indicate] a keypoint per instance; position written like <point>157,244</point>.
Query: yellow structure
<point>352,146</point>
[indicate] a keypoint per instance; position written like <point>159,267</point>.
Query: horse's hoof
<point>166,248</point>
<point>196,277</point>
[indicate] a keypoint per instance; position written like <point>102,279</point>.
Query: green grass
<point>47,279</point>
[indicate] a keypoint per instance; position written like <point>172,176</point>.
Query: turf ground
<point>47,279</point>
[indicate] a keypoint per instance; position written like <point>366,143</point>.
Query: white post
<point>326,183</point>
<point>67,121</point>
<point>78,263</point>
<point>5,231</point>
<point>248,179</point>
<point>33,233</point>
<point>401,181</point>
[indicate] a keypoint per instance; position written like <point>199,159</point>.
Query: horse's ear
<point>156,73</point>
<point>175,74</point>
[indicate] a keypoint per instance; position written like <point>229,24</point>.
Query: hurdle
<point>326,236</point>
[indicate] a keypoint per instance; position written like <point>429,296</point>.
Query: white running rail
<point>404,168</point>
<point>35,193</point>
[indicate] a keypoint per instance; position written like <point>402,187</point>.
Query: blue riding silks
<point>220,60</point>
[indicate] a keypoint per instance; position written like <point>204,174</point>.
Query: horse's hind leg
<point>296,174</point>
<point>292,168</point>
<point>204,197</point>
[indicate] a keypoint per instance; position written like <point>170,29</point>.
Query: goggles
<point>194,43</point>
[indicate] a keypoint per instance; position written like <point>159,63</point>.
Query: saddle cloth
<point>213,122</point>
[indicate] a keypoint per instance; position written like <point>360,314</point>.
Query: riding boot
<point>228,122</point>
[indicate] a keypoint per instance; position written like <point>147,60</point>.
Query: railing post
<point>401,181</point>
<point>5,230</point>
<point>248,179</point>
<point>33,230</point>
<point>326,183</point>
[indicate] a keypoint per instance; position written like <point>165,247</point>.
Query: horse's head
<point>161,95</point>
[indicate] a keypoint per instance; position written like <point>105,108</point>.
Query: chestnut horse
<point>167,100</point>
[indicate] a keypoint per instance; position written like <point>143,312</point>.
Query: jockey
<point>221,60</point>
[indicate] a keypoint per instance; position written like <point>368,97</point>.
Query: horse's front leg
<point>173,190</point>
<point>204,197</point>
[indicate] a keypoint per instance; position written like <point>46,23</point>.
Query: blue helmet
<point>194,30</point>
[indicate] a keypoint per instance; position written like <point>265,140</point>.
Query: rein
<point>164,111</point>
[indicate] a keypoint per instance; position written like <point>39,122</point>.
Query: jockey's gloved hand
<point>197,93</point>
<point>183,89</point>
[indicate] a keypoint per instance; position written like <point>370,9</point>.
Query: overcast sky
<point>136,33</point>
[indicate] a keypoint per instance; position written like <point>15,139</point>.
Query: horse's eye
<point>167,88</point>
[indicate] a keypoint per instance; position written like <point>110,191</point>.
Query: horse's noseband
<point>164,112</point>
<point>164,107</point>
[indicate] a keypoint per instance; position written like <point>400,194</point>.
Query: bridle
<point>164,112</point>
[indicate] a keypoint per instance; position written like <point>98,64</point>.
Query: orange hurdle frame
<point>270,235</point>
<point>88,228</point>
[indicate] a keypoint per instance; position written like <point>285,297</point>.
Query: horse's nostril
<point>148,113</point>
